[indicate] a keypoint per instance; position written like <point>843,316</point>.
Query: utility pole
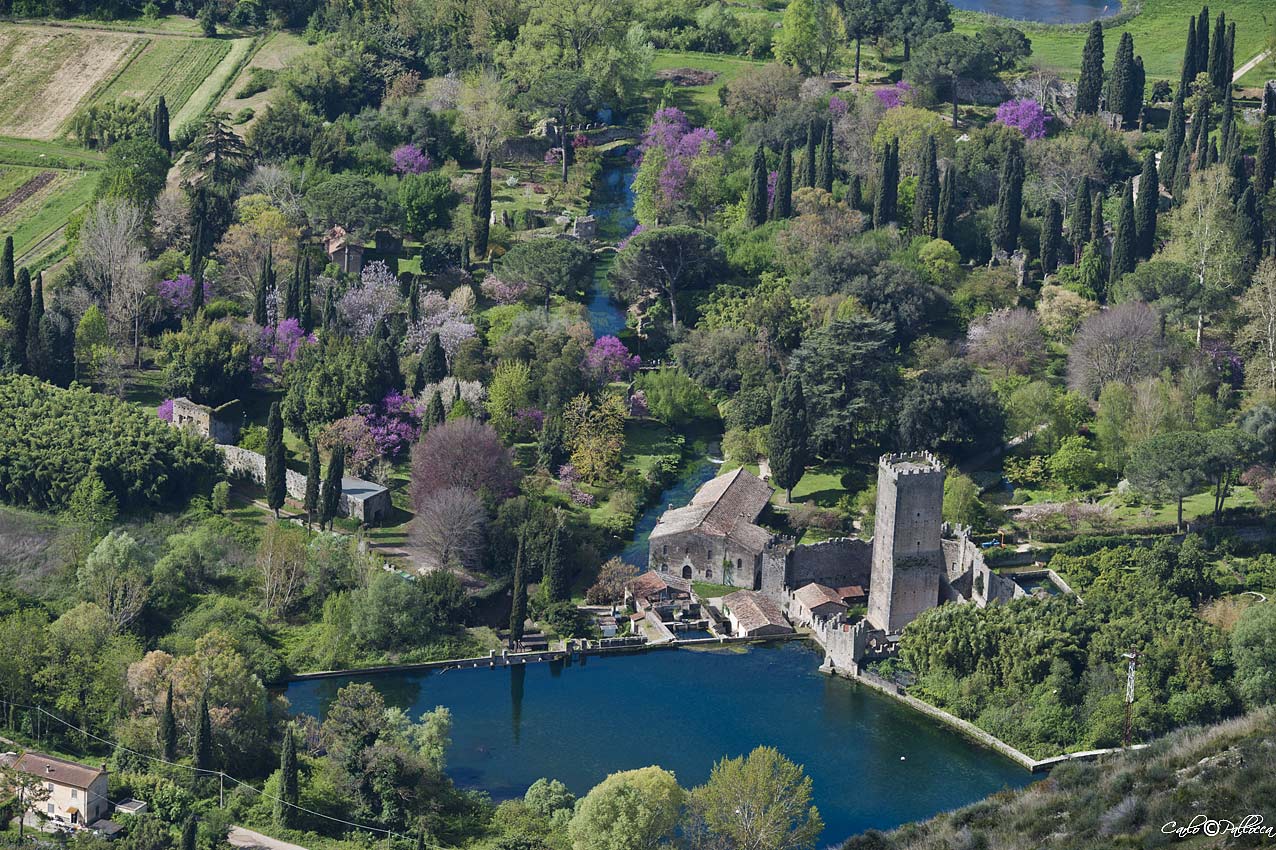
<point>1133,658</point>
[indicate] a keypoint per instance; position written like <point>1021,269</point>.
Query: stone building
<point>716,537</point>
<point>77,793</point>
<point>343,250</point>
<point>814,601</point>
<point>908,557</point>
<point>220,424</point>
<point>753,614</point>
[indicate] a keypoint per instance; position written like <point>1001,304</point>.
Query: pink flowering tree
<point>502,292</point>
<point>667,158</point>
<point>436,314</point>
<point>394,423</point>
<point>896,95</point>
<point>1025,115</point>
<point>165,410</point>
<point>409,159</point>
<point>177,295</point>
<point>609,360</point>
<point>372,299</point>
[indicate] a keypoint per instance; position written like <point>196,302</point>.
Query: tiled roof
<point>652,582</point>
<point>752,610</point>
<point>58,770</point>
<point>814,595</point>
<point>726,506</point>
<point>851,591</point>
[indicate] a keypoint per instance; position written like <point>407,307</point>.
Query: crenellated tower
<point>908,558</point>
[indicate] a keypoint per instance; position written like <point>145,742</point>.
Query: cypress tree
<point>1188,72</point>
<point>292,297</point>
<point>57,346</point>
<point>1090,85</point>
<point>1137,90</point>
<point>265,283</point>
<point>1226,124</point>
<point>6,267</point>
<point>313,472</point>
<point>1005,227</point>
<point>330,498</point>
<point>289,796</point>
<point>189,834</point>
<point>1239,180</point>
<point>434,413</point>
<point>1265,163</point>
<point>35,355</point>
<point>1250,222</point>
<point>1218,53</point>
<point>1174,134</point>
<point>20,319</point>
<point>433,361</point>
<point>414,299</point>
<point>926,200</point>
<point>329,310</point>
<point>946,216</point>
<point>1097,229</point>
<point>887,186</point>
<point>482,211</point>
<point>787,444</point>
<point>808,158</point>
<point>1121,82</point>
<point>1079,224</point>
<point>1146,208</point>
<point>556,584</point>
<point>1268,109</point>
<point>168,728</point>
<point>1229,59</point>
<point>1182,173</point>
<point>1198,138</point>
<point>518,610</point>
<point>1202,41</point>
<point>1123,242</point>
<point>276,471</point>
<point>826,158</point>
<point>1211,153</point>
<point>159,126</point>
<point>1051,236</point>
<point>855,192</point>
<point>305,309</point>
<point>757,197</point>
<point>197,289</point>
<point>203,750</point>
<point>783,206</point>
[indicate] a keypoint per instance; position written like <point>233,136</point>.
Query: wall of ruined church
<point>703,557</point>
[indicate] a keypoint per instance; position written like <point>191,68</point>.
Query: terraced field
<point>35,205</point>
<point>170,66</point>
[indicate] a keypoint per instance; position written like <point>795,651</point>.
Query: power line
<point>223,775</point>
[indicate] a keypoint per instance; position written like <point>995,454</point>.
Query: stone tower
<point>908,560</point>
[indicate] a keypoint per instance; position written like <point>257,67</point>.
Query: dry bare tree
<point>1008,339</point>
<point>1123,344</point>
<point>110,245</point>
<point>281,558</point>
<point>449,527</point>
<point>1258,306</point>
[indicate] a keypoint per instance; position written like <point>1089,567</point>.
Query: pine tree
<point>825,177</point>
<point>1124,250</point>
<point>35,354</point>
<point>482,211</point>
<point>783,206</point>
<point>329,309</point>
<point>1146,208</point>
<point>887,186</point>
<point>276,470</point>
<point>1121,81</point>
<point>1090,85</point>
<point>1051,236</point>
<point>946,217</point>
<point>330,498</point>
<point>313,472</point>
<point>202,753</point>
<point>808,158</point>
<point>6,267</point>
<point>1265,163</point>
<point>20,319</point>
<point>159,126</point>
<point>289,796</point>
<point>1218,54</point>
<point>265,283</point>
<point>787,445</point>
<point>518,610</point>
<point>855,192</point>
<point>1006,223</point>
<point>926,200</point>
<point>1174,134</point>
<point>556,581</point>
<point>1079,224</point>
<point>434,413</point>
<point>168,728</point>
<point>757,197</point>
<point>305,308</point>
<point>1188,72</point>
<point>189,834</point>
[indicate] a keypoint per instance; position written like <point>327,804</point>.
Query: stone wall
<point>243,463</point>
<point>697,556</point>
<point>836,563</point>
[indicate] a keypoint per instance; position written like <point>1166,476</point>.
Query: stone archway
<point>686,571</point>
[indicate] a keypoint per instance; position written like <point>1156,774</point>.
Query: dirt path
<point>26,190</point>
<point>1250,65</point>
<point>39,247</point>
<point>241,837</point>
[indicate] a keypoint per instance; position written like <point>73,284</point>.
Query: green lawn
<point>14,151</point>
<point>697,100</point>
<point>1159,31</point>
<point>822,484</point>
<point>34,223</point>
<point>172,67</point>
<point>706,590</point>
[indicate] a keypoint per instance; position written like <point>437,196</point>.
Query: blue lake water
<point>873,762</point>
<point>1044,11</point>
<point>612,204</point>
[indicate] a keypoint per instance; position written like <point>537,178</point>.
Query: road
<point>1250,65</point>
<point>240,837</point>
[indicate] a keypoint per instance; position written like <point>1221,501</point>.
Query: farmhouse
<point>77,793</point>
<point>754,615</point>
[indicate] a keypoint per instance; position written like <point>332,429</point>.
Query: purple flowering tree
<point>609,360</point>
<point>374,298</point>
<point>838,107</point>
<point>896,95</point>
<point>1025,115</point>
<point>352,432</point>
<point>281,343</point>
<point>165,410</point>
<point>177,295</point>
<point>666,153</point>
<point>409,159</point>
<point>394,423</point>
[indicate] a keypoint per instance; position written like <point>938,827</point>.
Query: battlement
<point>910,463</point>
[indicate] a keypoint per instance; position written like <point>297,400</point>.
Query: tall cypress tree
<point>265,283</point>
<point>1079,224</point>
<point>1250,223</point>
<point>197,288</point>
<point>1227,125</point>
<point>313,472</point>
<point>305,309</point>
<point>289,795</point>
<point>557,587</point>
<point>1137,89</point>
<point>946,215</point>
<point>1218,54</point>
<point>20,318</point>
<point>168,728</point>
<point>787,445</point>
<point>202,754</point>
<point>414,299</point>
<point>35,353</point>
<point>276,470</point>
<point>1265,163</point>
<point>6,267</point>
<point>808,157</point>
<point>1188,72</point>
<point>330,498</point>
<point>1121,81</point>
<point>518,610</point>
<point>1229,59</point>
<point>292,298</point>
<point>783,206</point>
<point>757,198</point>
<point>1268,109</point>
<point>887,186</point>
<point>1174,134</point>
<point>1051,236</point>
<point>1203,41</point>
<point>926,200</point>
<point>433,361</point>
<point>482,210</point>
<point>1182,173</point>
<point>1098,229</point>
<point>1006,223</point>
<point>1199,138</point>
<point>1090,85</point>
<point>826,158</point>
<point>1146,207</point>
<point>434,413</point>
<point>855,192</point>
<point>159,126</point>
<point>1124,250</point>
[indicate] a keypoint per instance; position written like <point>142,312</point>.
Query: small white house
<point>77,793</point>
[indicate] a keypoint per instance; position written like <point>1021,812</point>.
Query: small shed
<point>754,615</point>
<point>343,250</point>
<point>364,500</point>
<point>816,600</point>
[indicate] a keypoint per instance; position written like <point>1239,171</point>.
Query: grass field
<point>36,154</point>
<point>275,51</point>
<point>172,67</point>
<point>214,82</point>
<point>698,99</point>
<point>36,223</point>
<point>1159,31</point>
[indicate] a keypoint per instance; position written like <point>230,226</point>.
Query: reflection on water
<point>873,762</point>
<point>1044,11</point>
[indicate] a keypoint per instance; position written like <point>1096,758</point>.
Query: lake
<point>874,763</point>
<point>1043,11</point>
